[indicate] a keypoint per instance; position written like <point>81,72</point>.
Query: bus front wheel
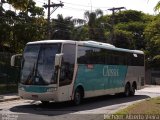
<point>45,102</point>
<point>77,97</point>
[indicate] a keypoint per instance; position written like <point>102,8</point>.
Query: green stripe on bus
<point>99,76</point>
<point>36,89</point>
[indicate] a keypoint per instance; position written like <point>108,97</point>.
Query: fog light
<point>21,88</point>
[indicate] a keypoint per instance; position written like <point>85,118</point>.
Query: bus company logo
<point>107,71</point>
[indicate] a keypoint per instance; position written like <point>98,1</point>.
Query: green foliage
<point>152,36</point>
<point>26,6</point>
<point>156,62</point>
<point>129,16</point>
<point>123,39</point>
<point>152,31</point>
<point>62,28</point>
<point>19,4</point>
<point>157,7</point>
<point>136,31</point>
<point>95,29</point>
<point>19,28</point>
<point>128,22</point>
<point>33,9</point>
<point>81,33</point>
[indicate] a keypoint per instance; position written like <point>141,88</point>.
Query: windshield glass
<point>38,64</point>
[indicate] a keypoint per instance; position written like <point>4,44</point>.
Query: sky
<point>76,8</point>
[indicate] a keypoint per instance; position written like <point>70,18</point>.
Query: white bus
<point>66,70</point>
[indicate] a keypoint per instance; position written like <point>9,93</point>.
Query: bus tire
<point>45,102</point>
<point>132,92</point>
<point>77,97</point>
<point>133,89</point>
<point>127,90</point>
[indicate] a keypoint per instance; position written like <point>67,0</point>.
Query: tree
<point>157,7</point>
<point>78,21</point>
<point>6,22</point>
<point>29,26</point>
<point>130,22</point>
<point>19,4</point>
<point>123,39</point>
<point>95,28</point>
<point>62,28</point>
<point>136,31</point>
<point>155,62</point>
<point>152,35</point>
<point>28,6</point>
<point>80,33</point>
<point>17,28</point>
<point>30,29</point>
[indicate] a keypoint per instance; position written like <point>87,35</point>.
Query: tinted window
<point>135,59</point>
<point>45,69</point>
<point>90,55</point>
<point>67,67</point>
<point>38,64</point>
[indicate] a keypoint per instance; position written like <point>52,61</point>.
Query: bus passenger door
<point>66,72</point>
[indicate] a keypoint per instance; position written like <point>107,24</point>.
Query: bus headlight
<point>21,88</point>
<point>51,89</point>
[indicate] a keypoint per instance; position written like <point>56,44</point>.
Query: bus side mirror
<point>58,58</point>
<point>16,60</point>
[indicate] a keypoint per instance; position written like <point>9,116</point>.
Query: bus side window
<point>85,55</point>
<point>67,65</point>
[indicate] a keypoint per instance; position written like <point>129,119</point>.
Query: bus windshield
<point>38,64</point>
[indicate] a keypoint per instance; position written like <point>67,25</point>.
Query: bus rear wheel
<point>77,97</point>
<point>127,90</point>
<point>132,92</point>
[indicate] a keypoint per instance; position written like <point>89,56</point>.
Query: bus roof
<point>51,41</point>
<point>109,46</point>
<point>88,43</point>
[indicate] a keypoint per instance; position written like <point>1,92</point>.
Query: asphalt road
<point>90,109</point>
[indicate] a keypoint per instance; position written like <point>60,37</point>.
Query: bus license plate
<point>35,96</point>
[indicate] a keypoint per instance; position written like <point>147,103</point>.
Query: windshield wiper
<point>31,75</point>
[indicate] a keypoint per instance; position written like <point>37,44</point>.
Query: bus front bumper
<point>39,93</point>
<point>38,96</point>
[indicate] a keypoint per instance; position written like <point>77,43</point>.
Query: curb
<point>9,99</point>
